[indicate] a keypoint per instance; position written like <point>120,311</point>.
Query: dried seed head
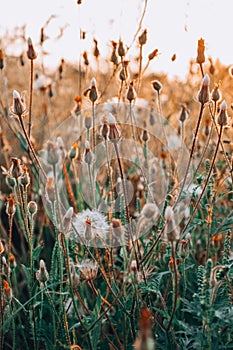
<point>85,57</point>
<point>200,51</point>
<point>32,208</point>
<point>114,132</point>
<point>143,37</point>
<point>52,153</point>
<point>89,157</point>
<point>150,210</point>
<point>88,270</point>
<point>121,49</point>
<point>105,130</point>
<point>204,93</point>
<point>88,121</point>
<point>96,51</point>
<point>31,53</point>
<point>183,114</point>
<point>157,86</point>
<point>24,179</point>
<point>93,95</point>
<point>131,94</point>
<point>116,227</point>
<point>10,205</point>
<point>1,59</point>
<point>16,169</point>
<point>153,54</point>
<point>145,136</point>
<point>42,275</point>
<point>216,94</point>
<point>223,117</point>
<point>114,58</point>
<point>18,108</point>
<point>171,229</point>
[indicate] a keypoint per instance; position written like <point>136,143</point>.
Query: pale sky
<point>174,26</point>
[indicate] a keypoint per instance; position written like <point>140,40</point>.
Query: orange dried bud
<point>78,99</point>
<point>85,57</point>
<point>1,59</point>
<point>153,54</point>
<point>200,51</point>
<point>173,57</point>
<point>74,151</point>
<point>143,38</point>
<point>7,290</point>
<point>10,205</point>
<point>96,51</point>
<point>31,53</point>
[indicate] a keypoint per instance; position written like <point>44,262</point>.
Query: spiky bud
<point>31,53</point>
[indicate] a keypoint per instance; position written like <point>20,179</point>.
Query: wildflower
<point>114,132</point>
<point>171,229</point>
<point>88,269</point>
<point>157,86</point>
<point>74,151</point>
<point>143,38</point>
<point>32,208</point>
<point>7,291</point>
<point>10,205</point>
<point>91,224</point>
<point>222,117</point>
<point>204,93</point>
<point>131,94</point>
<point>42,274</point>
<point>200,51</point>
<point>19,107</point>
<point>31,51</point>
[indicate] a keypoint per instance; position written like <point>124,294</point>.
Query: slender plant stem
<point>10,219</point>
<point>30,99</point>
<point>31,146</point>
<point>191,153</point>
<point>207,179</point>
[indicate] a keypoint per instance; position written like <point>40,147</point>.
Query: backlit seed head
<point>18,108</point>
<point>171,230</point>
<point>143,37</point>
<point>42,275</point>
<point>67,219</point>
<point>157,86</point>
<point>16,169</point>
<point>121,49</point>
<point>52,153</point>
<point>216,94</point>
<point>93,95</point>
<point>200,51</point>
<point>131,94</point>
<point>114,132</point>
<point>223,117</point>
<point>88,270</point>
<point>150,210</point>
<point>204,93</point>
<point>89,155</point>
<point>31,53</point>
